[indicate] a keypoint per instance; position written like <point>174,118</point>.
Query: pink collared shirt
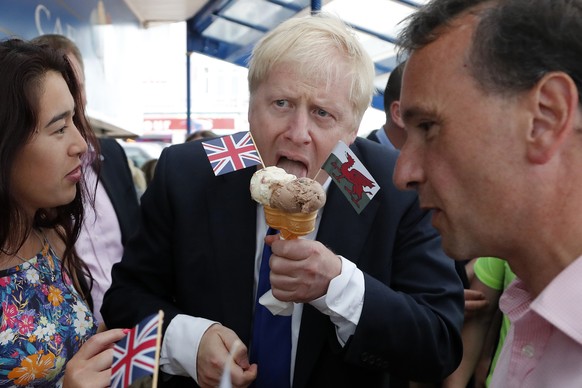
<point>99,244</point>
<point>544,345</point>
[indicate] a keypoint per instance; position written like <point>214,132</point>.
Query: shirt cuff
<point>344,300</point>
<point>180,345</point>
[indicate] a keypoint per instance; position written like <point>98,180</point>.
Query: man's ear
<point>351,136</point>
<point>555,101</point>
<point>395,113</point>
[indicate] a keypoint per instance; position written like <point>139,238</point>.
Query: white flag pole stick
<point>225,381</point>
<point>257,148</point>
<point>158,349</point>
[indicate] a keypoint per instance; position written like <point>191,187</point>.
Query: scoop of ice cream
<point>302,195</point>
<point>266,180</point>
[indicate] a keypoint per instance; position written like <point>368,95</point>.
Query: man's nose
<point>299,127</point>
<point>408,173</point>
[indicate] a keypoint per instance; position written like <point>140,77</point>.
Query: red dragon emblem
<point>356,180</point>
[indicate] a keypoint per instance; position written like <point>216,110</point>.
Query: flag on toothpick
<point>231,153</point>
<point>137,354</point>
<point>350,175</point>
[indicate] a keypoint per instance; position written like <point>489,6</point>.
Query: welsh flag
<point>350,175</point>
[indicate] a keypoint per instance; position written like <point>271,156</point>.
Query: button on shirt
<point>544,345</point>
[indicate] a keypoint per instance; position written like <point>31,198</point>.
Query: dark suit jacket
<point>195,252</point>
<point>373,136</point>
<point>118,183</point>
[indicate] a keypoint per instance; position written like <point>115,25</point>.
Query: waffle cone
<point>291,225</point>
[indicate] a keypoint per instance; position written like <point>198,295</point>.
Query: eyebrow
<point>57,118</point>
<point>413,112</point>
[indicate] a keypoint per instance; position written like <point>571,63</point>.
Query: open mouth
<point>295,167</point>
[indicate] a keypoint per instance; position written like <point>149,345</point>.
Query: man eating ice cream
<point>376,299</point>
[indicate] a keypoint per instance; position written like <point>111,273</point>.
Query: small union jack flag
<point>231,153</point>
<point>136,355</point>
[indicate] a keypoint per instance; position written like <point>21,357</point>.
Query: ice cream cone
<point>291,225</point>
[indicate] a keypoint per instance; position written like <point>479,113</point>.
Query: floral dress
<point>44,322</point>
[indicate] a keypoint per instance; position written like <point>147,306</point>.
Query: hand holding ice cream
<point>291,205</point>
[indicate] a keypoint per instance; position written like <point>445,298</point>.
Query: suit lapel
<point>374,136</point>
<point>344,231</point>
<point>342,228</point>
<point>111,177</point>
<point>233,234</point>
<point>107,174</point>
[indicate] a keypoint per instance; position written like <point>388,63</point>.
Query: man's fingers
<point>238,353</point>
<point>243,377</point>
<point>473,294</point>
<point>241,372</point>
<point>223,347</point>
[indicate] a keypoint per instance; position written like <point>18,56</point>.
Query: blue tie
<point>271,344</point>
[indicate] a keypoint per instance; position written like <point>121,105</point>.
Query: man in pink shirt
<point>491,104</point>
